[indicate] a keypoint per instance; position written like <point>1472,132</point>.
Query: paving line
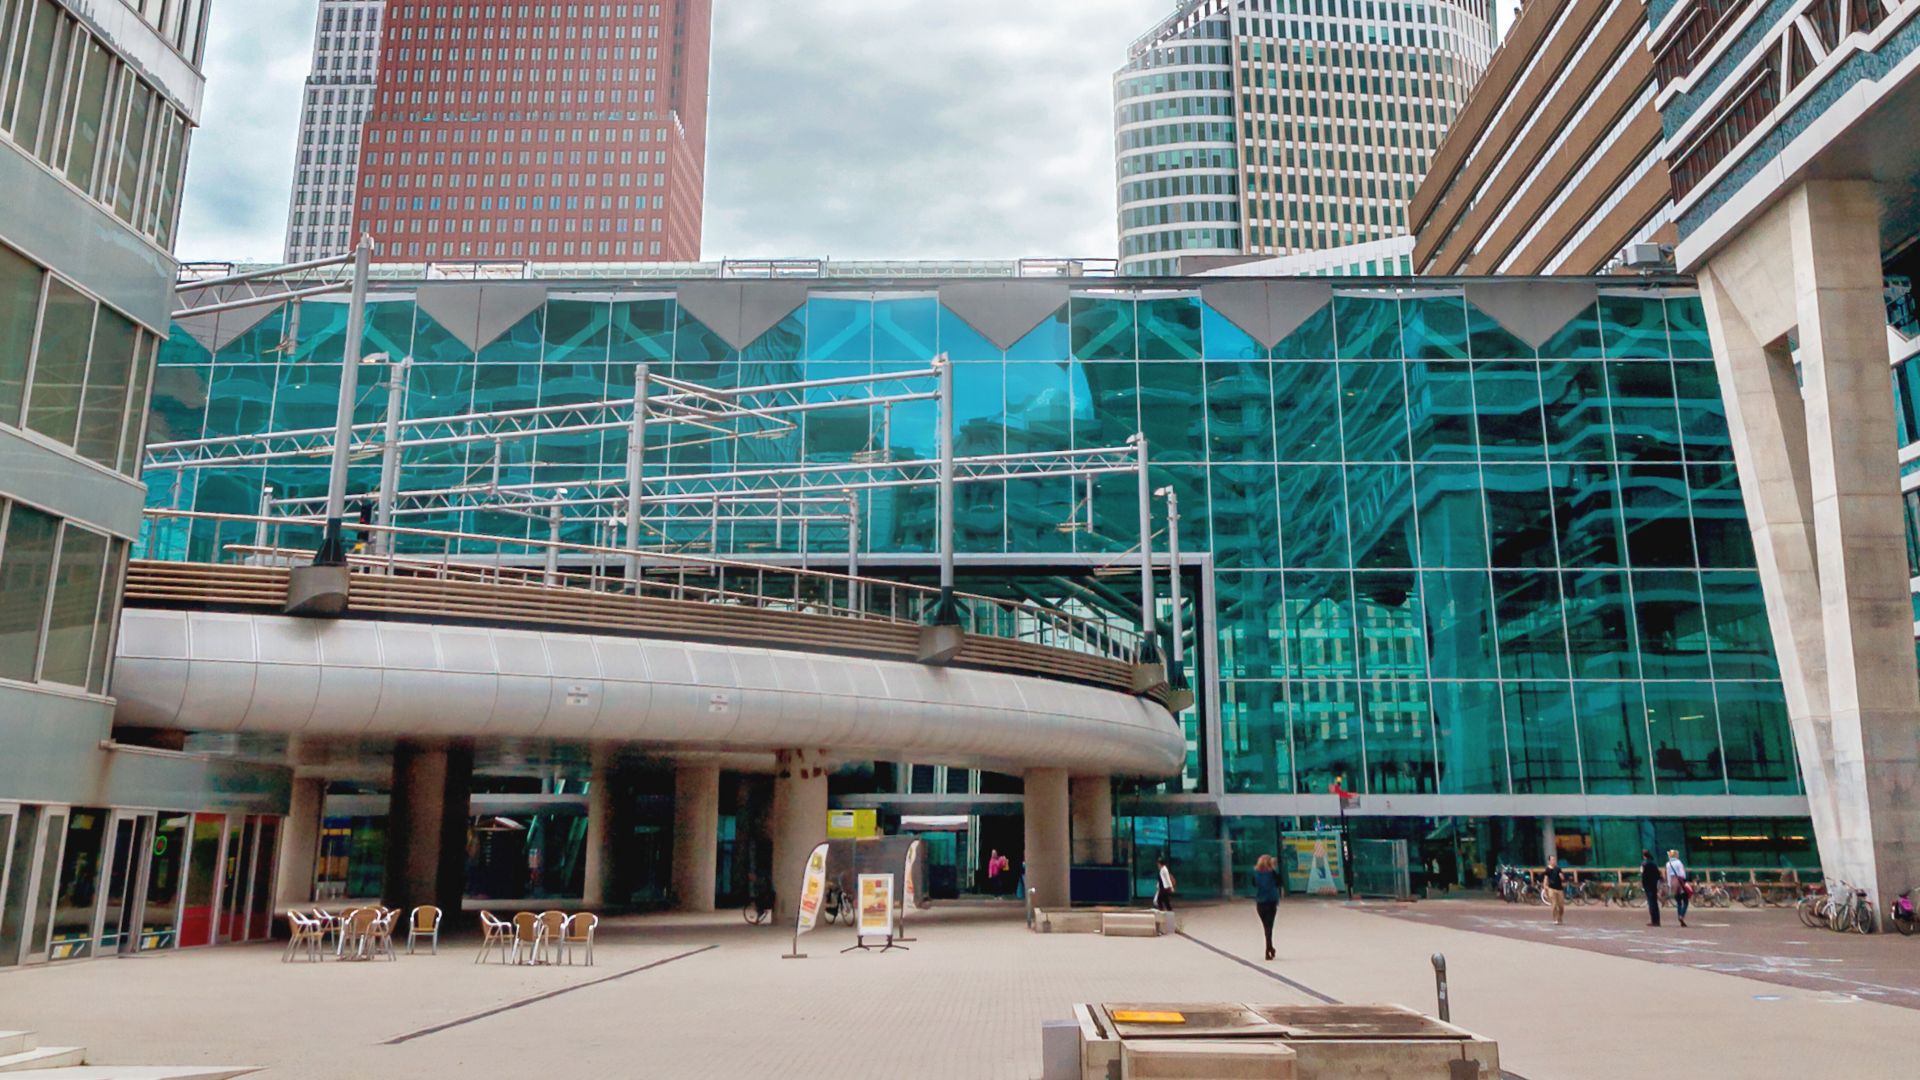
<point>537,998</point>
<point>1324,999</point>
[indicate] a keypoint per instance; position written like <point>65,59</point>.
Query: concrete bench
<point>1130,923</point>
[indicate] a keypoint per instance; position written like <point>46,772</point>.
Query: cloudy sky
<point>839,128</point>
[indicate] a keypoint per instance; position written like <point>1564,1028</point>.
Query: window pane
<point>1519,515</point>
<point>1453,523</point>
<point>60,363</point>
<point>1435,328</point>
<point>1673,637</point>
<point>1253,719</point>
<point>1171,408</point>
<point>1313,516</point>
<point>1600,625</point>
<point>1239,411</point>
<point>1507,403</point>
<point>1459,609</point>
<point>33,73</point>
<point>126,174</point>
<point>1654,505</point>
<point>1613,738</point>
<point>1326,733</point>
<point>1645,422</point>
<point>1440,408</point>
<point>1319,625</point>
<point>1471,738</point>
<point>1306,415</point>
<point>76,600</point>
<point>100,664</point>
<point>1540,738</point>
<point>1737,626</point>
<point>1170,328</point>
<point>1685,736</point>
<point>104,414</point>
<point>1399,738</point>
<point>1533,643</point>
<point>19,309</point>
<point>1369,328</point>
<point>1635,327</point>
<point>1383,521</point>
<point>1252,626</point>
<point>86,108</point>
<point>1392,633</point>
<point>1574,396</point>
<point>1719,516</point>
<point>1373,412</point>
<point>1586,507</point>
<point>1102,328</point>
<point>1246,516</point>
<point>26,576</point>
<point>1759,742</point>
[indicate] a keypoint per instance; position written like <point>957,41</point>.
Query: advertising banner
<point>852,824</point>
<point>876,905</point>
<point>1311,862</point>
<point>813,890</point>
<point>910,896</point>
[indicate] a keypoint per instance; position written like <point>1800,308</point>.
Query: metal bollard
<point>1440,986</point>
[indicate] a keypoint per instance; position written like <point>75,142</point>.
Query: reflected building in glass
<point>1477,551</point>
<point>1277,127</point>
<point>96,102</point>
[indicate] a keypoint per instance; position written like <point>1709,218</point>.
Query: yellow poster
<point>852,824</point>
<point>876,905</point>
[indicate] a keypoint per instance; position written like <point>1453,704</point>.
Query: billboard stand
<point>876,914</point>
<point>908,894</point>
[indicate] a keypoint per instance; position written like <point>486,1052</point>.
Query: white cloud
<point>840,128</point>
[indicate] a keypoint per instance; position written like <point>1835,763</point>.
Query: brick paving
<point>709,997</point>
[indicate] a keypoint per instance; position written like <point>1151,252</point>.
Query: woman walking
<point>1266,896</point>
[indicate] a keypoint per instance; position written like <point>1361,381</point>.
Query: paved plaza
<point>708,996</point>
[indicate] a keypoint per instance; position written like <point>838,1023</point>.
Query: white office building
<point>346,52</point>
<point>1275,127</point>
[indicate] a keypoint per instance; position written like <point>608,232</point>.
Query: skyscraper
<point>340,87</point>
<point>541,132</point>
<point>1272,127</point>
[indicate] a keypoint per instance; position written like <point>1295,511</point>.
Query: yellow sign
<point>876,905</point>
<point>852,824</point>
<point>1135,1017</point>
<point>812,889</point>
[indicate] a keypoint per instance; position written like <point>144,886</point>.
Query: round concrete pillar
<point>696,835</point>
<point>799,823</point>
<point>1092,819</point>
<point>300,843</point>
<point>1049,850</point>
<point>598,871</point>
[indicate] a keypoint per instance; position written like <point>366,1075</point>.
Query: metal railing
<point>448,556</point>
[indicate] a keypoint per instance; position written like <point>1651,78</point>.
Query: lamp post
<point>636,470</point>
<point>945,613</point>
<point>333,548</point>
<point>1148,649</point>
<point>1173,576</point>
<point>390,455</point>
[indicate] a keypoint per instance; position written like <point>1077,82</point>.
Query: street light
<point>333,548</point>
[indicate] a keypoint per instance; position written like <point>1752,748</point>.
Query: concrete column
<point>427,826</point>
<point>598,872</point>
<point>1816,465</point>
<point>1092,798</point>
<point>1049,852</point>
<point>799,823</point>
<point>696,835</point>
<point>299,843</point>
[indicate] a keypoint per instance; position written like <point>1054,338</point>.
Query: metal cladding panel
<point>419,683</point>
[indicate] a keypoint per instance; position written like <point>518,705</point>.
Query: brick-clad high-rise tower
<point>542,132</point>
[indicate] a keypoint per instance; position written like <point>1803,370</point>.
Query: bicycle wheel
<point>1750,896</point>
<point>1905,926</point>
<point>1865,918</point>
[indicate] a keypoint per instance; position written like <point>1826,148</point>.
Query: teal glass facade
<point>1422,554</point>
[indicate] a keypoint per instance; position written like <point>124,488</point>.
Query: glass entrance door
<point>125,887</point>
<point>202,880</point>
<point>43,878</point>
<point>13,883</point>
<point>160,918</point>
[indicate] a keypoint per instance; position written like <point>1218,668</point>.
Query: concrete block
<point>317,590</point>
<point>1059,1050</point>
<point>1130,923</point>
<point>940,644</point>
<point>1206,1059</point>
<point>1099,1052</point>
<point>1396,1059</point>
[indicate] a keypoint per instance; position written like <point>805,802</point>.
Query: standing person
<point>1163,891</point>
<point>1650,875</point>
<point>1266,896</point>
<point>996,864</point>
<point>1554,880</point>
<point>1677,882</point>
